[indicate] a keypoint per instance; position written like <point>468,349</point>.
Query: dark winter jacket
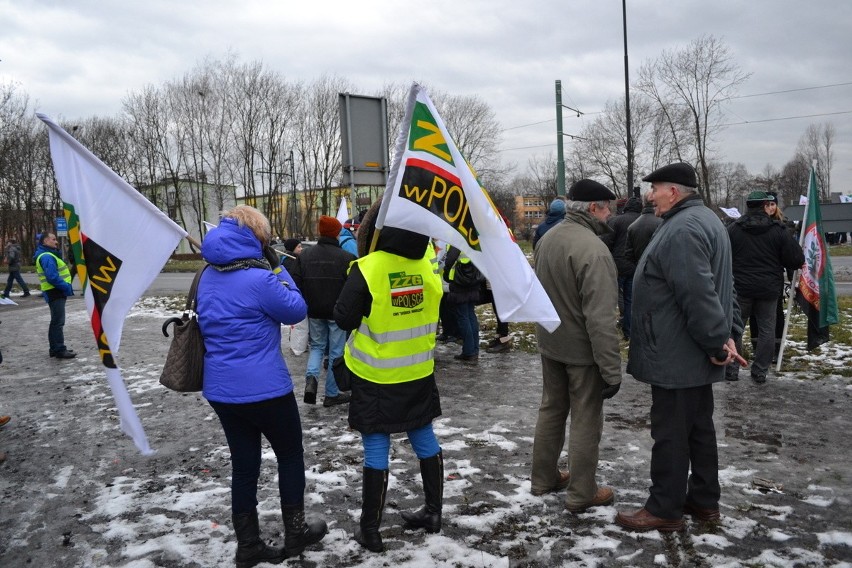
<point>320,274</point>
<point>762,248</point>
<point>460,294</point>
<point>684,309</point>
<point>379,407</point>
<point>552,219</point>
<point>639,233</point>
<point>347,241</point>
<point>616,241</point>
<point>240,313</point>
<point>13,257</point>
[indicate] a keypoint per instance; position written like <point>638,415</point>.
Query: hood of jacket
<point>402,242</point>
<point>42,248</point>
<point>755,221</point>
<point>229,242</point>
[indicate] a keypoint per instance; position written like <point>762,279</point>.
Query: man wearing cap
<point>684,316</point>
<point>762,248</point>
<point>580,360</point>
<point>320,274</point>
<point>555,214</point>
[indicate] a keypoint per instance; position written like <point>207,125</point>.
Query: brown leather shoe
<point>603,496</point>
<point>703,515</point>
<point>4,420</point>
<point>642,521</point>
<point>564,478</point>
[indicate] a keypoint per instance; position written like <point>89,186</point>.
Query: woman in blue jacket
<point>243,298</point>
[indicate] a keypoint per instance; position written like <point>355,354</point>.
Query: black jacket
<point>762,248</point>
<point>460,294</point>
<point>378,407</point>
<point>549,222</point>
<point>320,273</point>
<point>617,239</point>
<point>639,233</point>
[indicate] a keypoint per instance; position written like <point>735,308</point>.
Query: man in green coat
<point>580,360</point>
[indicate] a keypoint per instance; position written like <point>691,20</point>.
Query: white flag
<point>731,212</point>
<point>342,211</point>
<point>803,200</point>
<point>433,191</point>
<point>120,243</point>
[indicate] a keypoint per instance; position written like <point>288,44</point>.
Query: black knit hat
<point>589,190</point>
<point>680,173</point>
<point>291,244</point>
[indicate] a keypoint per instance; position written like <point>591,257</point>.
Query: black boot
<point>429,516</point>
<point>250,549</point>
<point>375,490</point>
<point>297,533</point>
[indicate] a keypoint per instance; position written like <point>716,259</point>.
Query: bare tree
<point>817,144</point>
<point>697,80</point>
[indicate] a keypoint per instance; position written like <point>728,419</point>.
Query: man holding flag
<point>815,291</point>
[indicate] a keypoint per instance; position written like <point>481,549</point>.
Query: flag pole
<point>794,281</point>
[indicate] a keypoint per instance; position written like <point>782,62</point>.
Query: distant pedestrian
<point>13,259</point>
<point>465,282</point>
<point>55,281</point>
<point>347,238</point>
<point>555,215</point>
<point>581,359</point>
<point>320,274</point>
<point>617,243</point>
<point>686,319</point>
<point>639,232</point>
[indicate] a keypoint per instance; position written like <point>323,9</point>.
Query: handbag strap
<point>192,297</point>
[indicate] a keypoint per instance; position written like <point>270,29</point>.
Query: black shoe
<point>732,377</point>
<point>67,354</point>
<point>299,533</point>
<point>472,359</point>
<point>26,293</point>
<point>759,378</point>
<point>310,390</point>
<point>500,347</point>
<point>251,550</point>
<point>341,398</point>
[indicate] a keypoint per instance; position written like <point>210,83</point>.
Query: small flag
<point>432,190</point>
<point>815,291</point>
<point>120,243</point>
<point>731,212</point>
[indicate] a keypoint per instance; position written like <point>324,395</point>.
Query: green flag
<point>815,293</point>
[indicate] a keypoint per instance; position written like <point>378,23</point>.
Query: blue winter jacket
<point>240,313</point>
<point>347,242</point>
<point>51,271</point>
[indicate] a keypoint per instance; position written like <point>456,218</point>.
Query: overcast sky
<point>80,58</point>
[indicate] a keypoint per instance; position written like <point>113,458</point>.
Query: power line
<point>789,91</point>
<point>787,118</point>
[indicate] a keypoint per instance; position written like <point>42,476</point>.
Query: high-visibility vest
<point>396,342</point>
<point>64,272</point>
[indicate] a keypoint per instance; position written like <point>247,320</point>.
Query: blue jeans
<point>377,446</point>
<point>56,330</point>
<point>325,338</point>
<point>278,420</point>
<point>625,286</point>
<point>469,327</point>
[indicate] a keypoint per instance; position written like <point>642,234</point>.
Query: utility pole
<point>627,105</point>
<point>560,156</point>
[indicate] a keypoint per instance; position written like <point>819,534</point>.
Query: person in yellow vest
<point>390,304</point>
<point>54,277</point>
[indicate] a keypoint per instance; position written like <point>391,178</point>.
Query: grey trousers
<point>574,390</point>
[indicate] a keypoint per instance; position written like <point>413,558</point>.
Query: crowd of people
<point>373,301</point>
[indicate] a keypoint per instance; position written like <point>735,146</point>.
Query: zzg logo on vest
<point>406,289</point>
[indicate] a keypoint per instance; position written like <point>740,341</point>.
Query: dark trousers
<point>15,276</point>
<point>625,287</point>
<point>278,421</point>
<point>764,312</point>
<point>449,318</point>
<point>56,329</point>
<point>684,439</point>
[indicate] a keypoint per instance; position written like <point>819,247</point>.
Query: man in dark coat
<point>686,319</point>
<point>320,274</point>
<point>617,243</point>
<point>762,248</point>
<point>639,233</point>
<point>555,214</point>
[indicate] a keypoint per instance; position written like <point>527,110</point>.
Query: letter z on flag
<point>120,243</point>
<point>432,190</point>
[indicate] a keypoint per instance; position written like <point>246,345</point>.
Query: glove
<point>608,391</point>
<point>271,255</point>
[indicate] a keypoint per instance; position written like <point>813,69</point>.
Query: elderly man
<point>580,360</point>
<point>685,313</point>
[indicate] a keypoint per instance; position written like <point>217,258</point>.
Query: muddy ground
<point>75,492</point>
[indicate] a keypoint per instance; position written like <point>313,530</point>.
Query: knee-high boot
<point>297,533</point>
<point>250,549</point>
<point>375,489</point>
<point>429,516</point>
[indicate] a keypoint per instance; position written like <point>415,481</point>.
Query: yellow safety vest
<point>62,268</point>
<point>396,342</point>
